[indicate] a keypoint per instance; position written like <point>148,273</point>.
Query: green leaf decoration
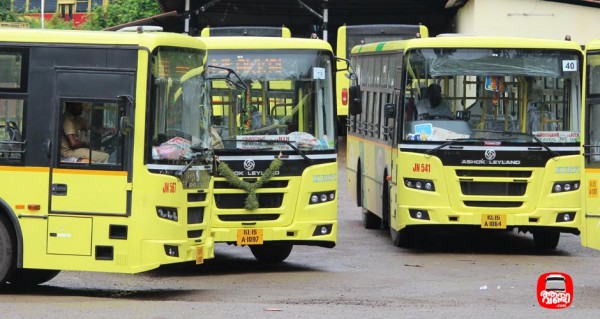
<point>251,202</point>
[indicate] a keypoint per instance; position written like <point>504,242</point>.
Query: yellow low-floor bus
<point>104,156</point>
<point>498,149</point>
<point>256,31</point>
<point>274,115</point>
<point>349,36</point>
<point>590,228</point>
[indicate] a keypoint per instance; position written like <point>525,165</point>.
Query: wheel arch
<point>15,227</point>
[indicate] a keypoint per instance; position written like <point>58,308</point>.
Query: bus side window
<point>11,134</point>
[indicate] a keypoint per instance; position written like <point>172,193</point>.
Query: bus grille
<point>196,197</point>
<point>269,184</point>
<point>236,201</point>
<point>194,233</point>
<point>248,217</point>
<point>493,188</point>
<point>480,203</point>
<point>491,173</point>
<point>195,215</point>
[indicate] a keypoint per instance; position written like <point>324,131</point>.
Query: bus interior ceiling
<point>303,17</point>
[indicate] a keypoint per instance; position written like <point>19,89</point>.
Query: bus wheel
<point>546,239</point>
<point>32,277</point>
<point>370,220</point>
<point>401,238</point>
<point>6,253</point>
<point>271,252</point>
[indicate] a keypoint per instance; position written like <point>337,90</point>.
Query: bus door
<point>95,179</point>
<point>590,226</point>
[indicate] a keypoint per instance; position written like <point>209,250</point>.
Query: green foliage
<point>6,15</point>
<point>119,12</point>
<point>251,202</point>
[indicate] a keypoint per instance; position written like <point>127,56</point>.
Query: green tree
<point>6,15</point>
<point>119,12</point>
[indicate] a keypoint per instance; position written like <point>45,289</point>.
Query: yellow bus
<point>274,111</point>
<point>500,148</point>
<point>590,232</point>
<point>255,31</point>
<point>349,36</point>
<point>130,194</point>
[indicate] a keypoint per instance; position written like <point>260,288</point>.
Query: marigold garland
<point>251,202</point>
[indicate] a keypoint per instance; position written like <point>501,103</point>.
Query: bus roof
<point>247,42</point>
<point>258,31</point>
<point>385,29</point>
<point>146,39</point>
<point>467,42</point>
<point>593,45</point>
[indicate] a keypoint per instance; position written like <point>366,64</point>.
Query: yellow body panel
<point>114,227</point>
<point>590,232</point>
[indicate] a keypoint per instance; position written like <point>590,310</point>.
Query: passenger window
<point>11,130</point>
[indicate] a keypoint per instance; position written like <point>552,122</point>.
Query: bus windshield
<point>509,95</point>
<point>280,100</point>
<point>180,110</point>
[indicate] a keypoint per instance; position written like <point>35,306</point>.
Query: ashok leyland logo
<point>490,159</point>
<point>249,164</point>
<point>490,154</point>
<point>555,290</point>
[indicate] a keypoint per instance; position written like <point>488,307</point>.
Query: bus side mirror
<point>389,110</point>
<point>342,64</point>
<point>125,103</point>
<point>354,101</point>
<point>125,125</point>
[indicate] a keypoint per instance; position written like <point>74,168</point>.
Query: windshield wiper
<point>290,144</point>
<point>533,137</point>
<point>200,154</point>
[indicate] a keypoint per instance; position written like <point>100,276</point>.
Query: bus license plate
<point>199,255</point>
<point>494,221</point>
<point>250,236</point>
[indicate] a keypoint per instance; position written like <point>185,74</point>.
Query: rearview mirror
<point>389,110</point>
<point>354,101</point>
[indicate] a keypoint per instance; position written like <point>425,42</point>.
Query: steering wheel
<point>110,142</point>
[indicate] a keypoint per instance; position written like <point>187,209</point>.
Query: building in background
<point>528,18</point>
<point>69,10</point>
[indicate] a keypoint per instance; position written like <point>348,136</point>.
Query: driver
<point>433,106</point>
<point>71,145</point>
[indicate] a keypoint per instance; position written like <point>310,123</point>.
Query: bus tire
<point>271,252</point>
<point>401,238</point>
<point>370,220</point>
<point>359,192</point>
<point>546,239</point>
<point>7,253</point>
<point>32,277</point>
<point>386,219</point>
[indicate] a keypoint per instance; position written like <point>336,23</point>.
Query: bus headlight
<point>560,187</point>
<point>169,213</point>
<point>565,217</point>
<point>321,197</point>
<point>419,214</point>
<point>420,184</point>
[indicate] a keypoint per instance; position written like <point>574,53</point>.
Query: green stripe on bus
<point>380,46</point>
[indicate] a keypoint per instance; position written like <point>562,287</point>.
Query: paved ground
<point>364,276</point>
